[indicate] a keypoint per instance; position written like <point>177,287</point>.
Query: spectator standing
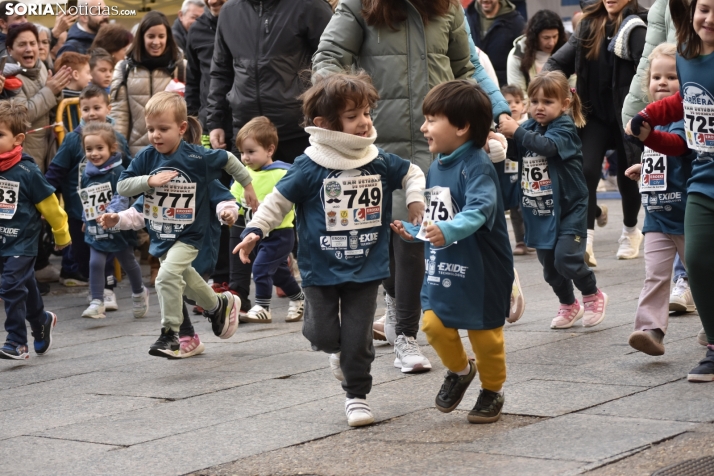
<point>82,33</point>
<point>261,49</point>
<point>45,36</point>
<point>114,39</point>
<point>189,13</point>
<point>495,25</point>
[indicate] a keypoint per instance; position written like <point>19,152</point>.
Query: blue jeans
<point>22,299</point>
<point>679,271</point>
<point>270,264</point>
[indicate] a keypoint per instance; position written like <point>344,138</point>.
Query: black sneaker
<point>14,351</point>
<point>488,407</point>
<point>166,346</point>
<point>453,389</point>
<point>224,320</point>
<point>43,335</point>
<point>704,372</point>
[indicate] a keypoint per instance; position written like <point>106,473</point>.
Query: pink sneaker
<point>567,316</point>
<point>595,305</point>
<point>190,346</point>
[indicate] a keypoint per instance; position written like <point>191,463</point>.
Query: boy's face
<point>96,150</point>
<point>94,109</point>
<point>102,74</point>
<point>517,106</point>
<point>254,155</point>
<point>356,120</point>
<point>442,136</point>
<point>81,77</point>
<point>8,140</point>
<point>164,132</point>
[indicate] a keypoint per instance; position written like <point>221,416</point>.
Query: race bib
<point>172,203</point>
<point>535,178</point>
<point>95,199</point>
<point>699,126</point>
<point>654,171</point>
<point>352,203</point>
<point>510,166</point>
<point>438,208</point>
<point>9,194</point>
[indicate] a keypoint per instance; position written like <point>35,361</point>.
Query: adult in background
<point>604,53</point>
<point>189,13</point>
<point>114,39</point>
<point>45,36</point>
<point>495,25</point>
<point>262,48</point>
<point>407,47</point>
<point>6,21</point>
<point>81,35</point>
<point>545,34</point>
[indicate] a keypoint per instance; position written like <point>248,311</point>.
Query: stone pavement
<point>577,401</point>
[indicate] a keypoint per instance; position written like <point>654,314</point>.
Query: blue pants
<point>270,264</point>
<point>22,299</point>
<point>679,271</point>
<point>97,268</point>
<point>564,266</point>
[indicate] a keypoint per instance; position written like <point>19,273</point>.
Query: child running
<point>25,195</point>
<point>98,196</point>
<point>257,141</point>
<point>469,270</point>
<point>174,178</point>
<point>555,198</point>
<point>342,190</point>
<point>694,103</point>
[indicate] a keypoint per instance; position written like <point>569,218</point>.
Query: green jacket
<point>404,65</point>
<point>264,181</point>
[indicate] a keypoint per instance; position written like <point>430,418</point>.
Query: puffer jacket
<point>78,40</point>
<point>40,101</point>
<point>261,49</point>
<point>660,29</point>
<point>129,97</point>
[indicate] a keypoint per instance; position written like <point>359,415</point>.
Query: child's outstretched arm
<point>413,184</point>
<point>57,218</point>
<point>659,113</point>
<point>129,219</point>
<point>270,214</point>
<point>241,175</point>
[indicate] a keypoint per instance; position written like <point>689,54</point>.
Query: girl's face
<point>703,24</point>
<point>97,150</point>
<point>25,50</point>
<point>545,110</point>
<point>663,78</point>
<point>356,120</point>
<point>614,7</point>
<point>155,40</point>
<point>44,45</point>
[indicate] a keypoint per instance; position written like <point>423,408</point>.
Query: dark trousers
<point>186,328</point>
<point>221,273</point>
<point>240,272</point>
<point>77,258</point>
<point>406,275</point>
<point>564,266</point>
<point>21,296</point>
<point>597,138</point>
<point>288,150</point>
<point>355,303</point>
<point>519,228</point>
<point>45,245</point>
<point>698,230</point>
<point>270,264</point>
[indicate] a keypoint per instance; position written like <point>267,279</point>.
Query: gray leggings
<point>97,260</point>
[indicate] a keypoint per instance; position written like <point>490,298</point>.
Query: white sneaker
<point>590,254</point>
<point>518,301</point>
<point>629,244</point>
<point>259,314</point>
<point>390,319</point>
<point>95,310</point>
<point>334,360</point>
<point>140,303</point>
<point>358,412</point>
<point>110,300</point>
<point>295,311</point>
<point>409,358</point>
<point>681,298</point>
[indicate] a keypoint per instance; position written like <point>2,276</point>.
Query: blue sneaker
<point>43,335</point>
<point>14,351</point>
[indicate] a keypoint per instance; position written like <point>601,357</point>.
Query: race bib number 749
<point>352,203</point>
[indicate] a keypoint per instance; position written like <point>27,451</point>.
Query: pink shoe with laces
<point>595,305</point>
<point>190,346</point>
<point>567,315</point>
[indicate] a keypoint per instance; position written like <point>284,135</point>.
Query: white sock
<point>218,303</point>
<point>629,229</point>
<point>465,371</point>
<point>591,236</point>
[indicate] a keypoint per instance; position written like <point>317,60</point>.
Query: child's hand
<point>162,178</point>
<point>634,172</point>
<point>228,217</point>
<point>108,220</point>
<point>398,228</point>
<point>245,247</point>
<point>507,126</point>
<point>416,212</point>
<point>61,247</point>
<point>435,236</point>
<point>250,198</point>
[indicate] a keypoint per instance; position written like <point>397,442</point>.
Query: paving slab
<point>32,455</point>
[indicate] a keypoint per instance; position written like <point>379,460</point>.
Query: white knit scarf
<point>339,151</point>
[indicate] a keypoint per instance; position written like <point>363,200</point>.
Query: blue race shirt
<point>328,258</point>
<point>510,182</point>
<point>195,165</point>
<point>21,232</point>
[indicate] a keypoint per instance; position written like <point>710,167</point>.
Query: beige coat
<point>40,101</point>
<point>129,100</point>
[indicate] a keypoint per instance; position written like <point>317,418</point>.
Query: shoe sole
<point>476,419</point>
<point>577,317</point>
<point>641,342</point>
<point>293,319</point>
<point>95,316</point>
<point>511,319</point>
<point>417,369</point>
<point>255,320</point>
<point>232,320</point>
<point>196,351</point>
<point>700,378</point>
<point>602,317</point>
<point>5,356</point>
<point>677,307</point>
<point>166,355</point>
<point>358,423</point>
<point>52,326</point>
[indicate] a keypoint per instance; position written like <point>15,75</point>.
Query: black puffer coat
<point>261,51</point>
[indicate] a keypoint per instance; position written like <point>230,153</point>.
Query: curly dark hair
<point>541,20</point>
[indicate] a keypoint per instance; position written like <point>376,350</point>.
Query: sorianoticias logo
<point>696,95</point>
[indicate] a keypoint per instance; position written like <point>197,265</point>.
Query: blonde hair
<point>167,101</point>
<point>555,85</point>
<point>194,131</point>
<point>664,49</point>
<point>261,130</point>
<point>103,130</point>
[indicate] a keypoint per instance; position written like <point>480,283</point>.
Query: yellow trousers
<point>488,345</point>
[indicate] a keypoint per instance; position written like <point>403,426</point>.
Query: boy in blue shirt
<point>25,195</point>
<point>469,264</point>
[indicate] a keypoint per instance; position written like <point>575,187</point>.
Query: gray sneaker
<point>409,357</point>
<point>140,303</point>
<point>390,319</point>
